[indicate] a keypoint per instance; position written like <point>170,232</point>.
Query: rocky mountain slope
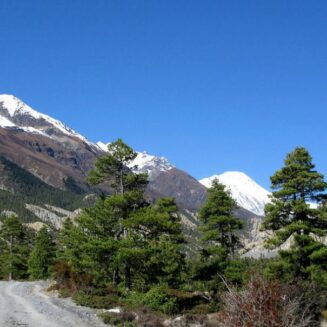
<point>32,199</point>
<point>167,180</point>
<point>42,145</point>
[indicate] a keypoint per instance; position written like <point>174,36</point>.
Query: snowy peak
<point>15,106</point>
<point>145,163</point>
<point>152,165</point>
<point>102,146</point>
<point>14,113</point>
<point>244,190</point>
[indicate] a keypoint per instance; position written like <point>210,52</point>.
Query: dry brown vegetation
<point>263,303</point>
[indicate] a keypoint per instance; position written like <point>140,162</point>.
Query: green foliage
<point>14,249</point>
<point>27,188</point>
<point>123,238</point>
<point>42,256</point>
<point>16,203</point>
<point>128,197</point>
<point>112,168</point>
<point>95,301</point>
<point>122,320</point>
<point>220,240</point>
<point>123,241</point>
<point>290,216</point>
<point>151,249</point>
<point>156,234</point>
<point>158,298</point>
<point>218,223</point>
<point>72,186</point>
<point>294,185</point>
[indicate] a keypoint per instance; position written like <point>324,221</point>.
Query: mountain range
<point>36,149</point>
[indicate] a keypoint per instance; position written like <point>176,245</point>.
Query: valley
<point>117,228</point>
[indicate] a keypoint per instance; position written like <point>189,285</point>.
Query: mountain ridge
<point>55,153</point>
<point>16,115</point>
<point>16,109</point>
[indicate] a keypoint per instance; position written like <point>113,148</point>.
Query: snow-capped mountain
<point>53,151</point>
<point>56,155</point>
<point>44,146</point>
<point>102,146</point>
<point>244,190</point>
<point>16,114</point>
<point>152,165</point>
<point>145,163</point>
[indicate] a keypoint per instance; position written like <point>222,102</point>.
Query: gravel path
<point>25,304</point>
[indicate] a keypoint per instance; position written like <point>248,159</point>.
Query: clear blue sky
<point>211,85</point>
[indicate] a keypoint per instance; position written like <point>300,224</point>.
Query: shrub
<point>96,301</point>
<point>134,299</point>
<point>147,318</point>
<point>263,303</point>
<point>158,298</point>
<point>187,301</point>
<point>65,277</point>
<point>125,319</point>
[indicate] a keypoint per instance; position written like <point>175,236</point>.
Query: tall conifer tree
<point>15,249</point>
<point>219,229</point>
<point>103,226</point>
<point>42,256</point>
<point>290,216</point>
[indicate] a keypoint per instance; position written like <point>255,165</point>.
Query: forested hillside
<point>18,187</point>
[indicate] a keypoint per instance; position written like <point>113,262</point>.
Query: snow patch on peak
<point>244,190</point>
<point>16,107</point>
<point>152,165</point>
<point>102,146</point>
<point>144,162</point>
<point>4,122</point>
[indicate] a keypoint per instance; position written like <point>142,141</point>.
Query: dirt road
<point>26,304</point>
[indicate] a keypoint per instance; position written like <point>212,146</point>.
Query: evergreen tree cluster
<point>124,239</point>
<point>27,188</point>
<point>25,253</point>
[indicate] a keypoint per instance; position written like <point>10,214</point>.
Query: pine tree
<point>15,249</point>
<point>290,216</point>
<point>112,168</point>
<point>42,256</point>
<point>156,243</point>
<point>218,228</point>
<point>101,231</point>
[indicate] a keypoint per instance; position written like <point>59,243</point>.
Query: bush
<point>125,319</point>
<point>147,318</point>
<point>65,277</point>
<point>96,301</point>
<point>201,309</point>
<point>187,301</point>
<point>134,299</point>
<point>158,298</point>
<point>263,301</point>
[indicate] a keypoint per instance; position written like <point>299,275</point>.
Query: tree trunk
<point>115,277</point>
<point>121,181</point>
<point>10,254</point>
<point>128,280</point>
